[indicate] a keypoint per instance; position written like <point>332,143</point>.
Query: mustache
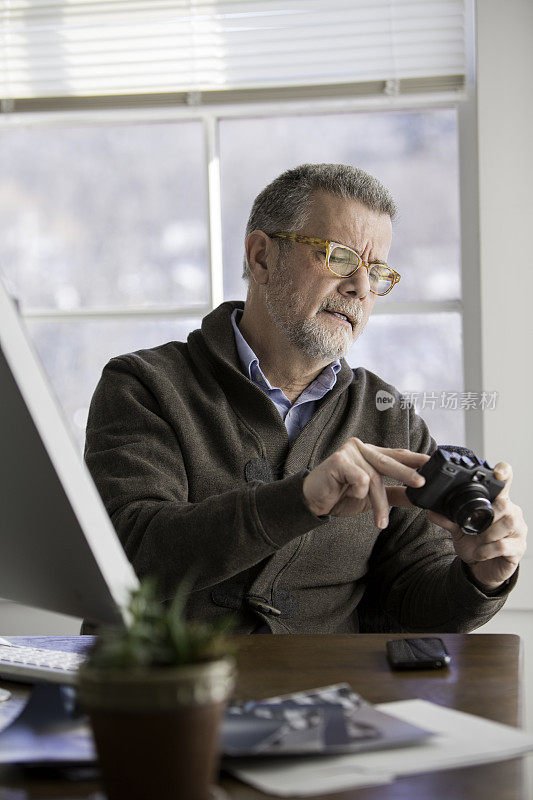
<point>353,311</point>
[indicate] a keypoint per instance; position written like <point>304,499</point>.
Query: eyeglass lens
<point>343,262</point>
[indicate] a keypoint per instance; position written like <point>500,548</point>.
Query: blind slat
<point>87,48</point>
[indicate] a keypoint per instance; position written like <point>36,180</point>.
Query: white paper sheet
<point>461,740</point>
<point>305,777</point>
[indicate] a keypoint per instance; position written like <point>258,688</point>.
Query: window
<point>104,216</point>
<point>99,224</point>
<point>105,238</point>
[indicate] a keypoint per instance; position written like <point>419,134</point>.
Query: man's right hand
<point>350,481</point>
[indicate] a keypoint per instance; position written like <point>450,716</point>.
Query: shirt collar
<point>247,356</point>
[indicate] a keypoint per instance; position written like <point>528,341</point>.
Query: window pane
<point>421,355</point>
<point>104,216</point>
<point>74,354</point>
<point>414,153</point>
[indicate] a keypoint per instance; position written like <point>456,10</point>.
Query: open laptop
<point>58,548</point>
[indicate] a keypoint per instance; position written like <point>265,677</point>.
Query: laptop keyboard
<point>35,665</point>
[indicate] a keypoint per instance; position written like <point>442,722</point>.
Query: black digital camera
<point>460,486</point>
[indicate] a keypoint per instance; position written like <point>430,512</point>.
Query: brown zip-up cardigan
<point>194,466</point>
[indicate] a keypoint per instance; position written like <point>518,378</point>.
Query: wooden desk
<point>485,678</point>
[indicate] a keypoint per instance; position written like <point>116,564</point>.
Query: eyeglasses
<point>342,261</point>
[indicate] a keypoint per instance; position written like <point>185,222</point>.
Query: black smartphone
<point>425,652</point>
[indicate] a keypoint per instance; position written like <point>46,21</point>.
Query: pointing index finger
<point>399,464</point>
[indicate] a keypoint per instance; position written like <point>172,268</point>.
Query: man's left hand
<point>494,554</point>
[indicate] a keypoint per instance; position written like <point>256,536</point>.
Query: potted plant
<point>155,692</point>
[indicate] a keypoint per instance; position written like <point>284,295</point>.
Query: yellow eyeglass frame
<point>329,247</point>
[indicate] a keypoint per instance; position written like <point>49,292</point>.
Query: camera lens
<point>476,520</point>
<point>469,506</point>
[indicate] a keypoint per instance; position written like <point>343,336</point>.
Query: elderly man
<point>253,457</point>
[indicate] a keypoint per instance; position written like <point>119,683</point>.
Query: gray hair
<point>284,204</point>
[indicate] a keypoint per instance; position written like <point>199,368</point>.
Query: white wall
<point>505,137</point>
<point>505,140</point>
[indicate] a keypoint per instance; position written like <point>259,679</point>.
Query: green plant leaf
<point>160,635</point>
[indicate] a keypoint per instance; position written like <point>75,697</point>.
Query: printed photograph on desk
<point>333,719</point>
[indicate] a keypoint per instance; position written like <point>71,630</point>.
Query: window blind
<point>83,48</point>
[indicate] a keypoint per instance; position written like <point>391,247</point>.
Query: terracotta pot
<point>157,731</point>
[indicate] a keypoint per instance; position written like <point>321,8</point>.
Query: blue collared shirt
<point>296,415</point>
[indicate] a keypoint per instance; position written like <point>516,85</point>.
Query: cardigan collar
<point>214,347</point>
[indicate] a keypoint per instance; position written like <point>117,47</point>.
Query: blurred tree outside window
<point>104,216</point>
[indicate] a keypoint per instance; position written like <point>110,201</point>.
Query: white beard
<point>315,337</point>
